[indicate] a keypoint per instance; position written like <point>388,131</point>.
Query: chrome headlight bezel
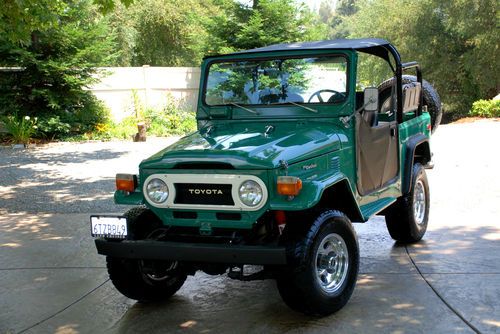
<point>250,193</point>
<point>157,191</point>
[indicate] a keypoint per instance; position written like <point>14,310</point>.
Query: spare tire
<point>431,97</point>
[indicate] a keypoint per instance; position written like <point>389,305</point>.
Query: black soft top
<point>354,44</point>
<point>375,46</point>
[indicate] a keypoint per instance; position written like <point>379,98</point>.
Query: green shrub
<point>122,130</point>
<point>170,120</point>
<point>486,108</point>
<point>52,127</point>
<point>21,129</point>
<point>88,115</point>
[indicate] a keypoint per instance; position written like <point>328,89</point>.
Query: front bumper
<point>192,252</point>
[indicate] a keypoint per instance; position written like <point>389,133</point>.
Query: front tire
<point>145,280</point>
<point>324,264</point>
<point>407,219</point>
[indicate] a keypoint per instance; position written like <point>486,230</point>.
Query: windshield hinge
<point>284,165</point>
<point>346,120</point>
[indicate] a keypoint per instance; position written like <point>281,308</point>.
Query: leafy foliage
<point>335,17</point>
<point>182,32</point>
<point>486,108</point>
<point>268,22</point>
<point>18,19</point>
<point>21,129</point>
<point>52,70</point>
<point>456,42</point>
<point>52,127</point>
<point>170,33</point>
<point>169,121</point>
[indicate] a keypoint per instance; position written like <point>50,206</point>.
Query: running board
<point>373,208</point>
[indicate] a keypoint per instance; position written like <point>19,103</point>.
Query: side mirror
<point>370,99</point>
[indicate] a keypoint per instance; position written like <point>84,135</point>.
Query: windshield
<point>275,81</point>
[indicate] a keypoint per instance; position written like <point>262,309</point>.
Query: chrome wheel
<point>419,203</point>
<point>332,263</point>
<point>157,271</point>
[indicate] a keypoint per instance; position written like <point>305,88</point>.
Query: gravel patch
<point>69,177</point>
<point>79,177</point>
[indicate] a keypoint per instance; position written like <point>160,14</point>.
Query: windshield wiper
<point>244,108</point>
<point>300,105</point>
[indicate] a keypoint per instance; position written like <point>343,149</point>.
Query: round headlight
<point>157,191</point>
<point>250,193</point>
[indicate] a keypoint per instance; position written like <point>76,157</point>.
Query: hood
<point>246,145</point>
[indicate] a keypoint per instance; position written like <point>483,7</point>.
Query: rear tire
<point>324,264</point>
<point>431,97</point>
<point>407,219</point>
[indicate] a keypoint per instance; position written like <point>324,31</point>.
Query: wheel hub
<point>332,263</point>
<point>157,270</point>
<point>419,204</point>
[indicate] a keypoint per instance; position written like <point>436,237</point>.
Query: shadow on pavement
<point>41,181</point>
<point>461,263</point>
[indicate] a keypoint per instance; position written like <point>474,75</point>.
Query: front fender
<point>126,198</point>
<point>319,192</point>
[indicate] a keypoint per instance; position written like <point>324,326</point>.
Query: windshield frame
<point>246,57</point>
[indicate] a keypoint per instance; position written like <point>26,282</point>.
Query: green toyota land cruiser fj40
<point>294,142</point>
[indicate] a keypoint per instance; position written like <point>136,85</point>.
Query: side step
<point>375,207</point>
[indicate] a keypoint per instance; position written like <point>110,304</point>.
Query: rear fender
<point>417,150</point>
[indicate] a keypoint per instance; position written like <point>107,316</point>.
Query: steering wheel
<point>319,92</point>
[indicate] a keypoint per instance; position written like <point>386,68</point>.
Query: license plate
<point>109,227</point>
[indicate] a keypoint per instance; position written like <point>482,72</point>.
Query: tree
<point>335,17</point>
<point>456,42</point>
<point>180,33</point>
<point>326,11</point>
<point>18,19</point>
<point>122,25</point>
<point>171,33</point>
<point>56,63</point>
<point>107,6</point>
<point>266,22</point>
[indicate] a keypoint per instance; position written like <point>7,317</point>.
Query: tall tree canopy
<point>58,43</point>
<point>181,32</point>
<point>55,56</point>
<point>456,42</point>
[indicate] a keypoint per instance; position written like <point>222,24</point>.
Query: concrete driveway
<point>52,281</point>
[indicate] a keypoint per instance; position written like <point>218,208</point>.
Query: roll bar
<point>400,67</point>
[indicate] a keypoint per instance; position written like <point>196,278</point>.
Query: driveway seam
<point>451,308</point>
<point>49,268</point>
<point>64,308</point>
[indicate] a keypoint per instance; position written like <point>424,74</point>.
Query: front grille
<point>203,193</point>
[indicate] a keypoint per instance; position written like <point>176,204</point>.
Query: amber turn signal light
<point>126,182</point>
<point>289,185</point>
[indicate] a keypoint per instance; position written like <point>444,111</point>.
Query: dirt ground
<point>52,280</point>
